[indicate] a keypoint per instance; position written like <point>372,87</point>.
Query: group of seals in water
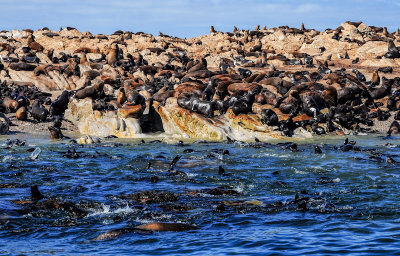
<point>316,97</point>
<point>41,205</point>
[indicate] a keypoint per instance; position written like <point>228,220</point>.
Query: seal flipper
<point>173,163</point>
<point>118,232</point>
<point>35,193</point>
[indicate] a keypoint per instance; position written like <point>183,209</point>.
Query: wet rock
<point>87,139</point>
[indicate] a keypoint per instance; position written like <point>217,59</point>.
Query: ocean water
<point>347,203</point>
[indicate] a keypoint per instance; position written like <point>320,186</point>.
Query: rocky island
<point>241,85</point>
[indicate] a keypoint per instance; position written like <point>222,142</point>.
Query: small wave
<point>8,158</point>
<point>106,210</point>
<point>161,217</point>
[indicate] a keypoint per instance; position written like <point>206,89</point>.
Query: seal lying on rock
<point>201,106</point>
<point>244,104</point>
<point>94,91</point>
<point>22,66</point>
<point>269,117</point>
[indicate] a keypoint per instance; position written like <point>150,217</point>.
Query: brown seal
<point>202,65</point>
<point>9,104</point>
<point>330,96</point>
<point>22,114</point>
<point>376,80</point>
<point>22,66</point>
<point>212,30</point>
<point>40,70</point>
<point>86,50</point>
<point>163,94</point>
<point>241,87</point>
<point>159,226</point>
<point>112,56</point>
<point>385,31</point>
<point>83,60</point>
<point>33,44</point>
<point>121,96</point>
<point>92,91</point>
<point>189,88</point>
<point>199,74</point>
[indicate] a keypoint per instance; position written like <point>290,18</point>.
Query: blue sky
<point>193,18</point>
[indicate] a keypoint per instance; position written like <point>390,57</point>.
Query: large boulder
<point>96,123</point>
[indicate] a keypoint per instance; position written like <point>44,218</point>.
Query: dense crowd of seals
<point>285,91</point>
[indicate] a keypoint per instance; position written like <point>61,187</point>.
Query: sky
<point>193,18</point>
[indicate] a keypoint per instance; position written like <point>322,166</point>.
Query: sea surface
<point>270,200</point>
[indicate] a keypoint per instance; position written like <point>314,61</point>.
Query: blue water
<point>352,199</point>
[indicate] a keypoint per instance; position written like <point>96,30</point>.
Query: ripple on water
<point>346,203</point>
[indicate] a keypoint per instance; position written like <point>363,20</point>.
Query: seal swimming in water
<point>159,226</point>
<point>147,229</point>
<point>118,232</point>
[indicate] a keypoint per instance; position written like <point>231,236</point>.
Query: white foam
<point>8,158</point>
<point>106,210</point>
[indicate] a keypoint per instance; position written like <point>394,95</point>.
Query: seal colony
<point>261,83</point>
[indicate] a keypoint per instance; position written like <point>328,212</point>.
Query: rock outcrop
<point>97,123</point>
<point>263,83</point>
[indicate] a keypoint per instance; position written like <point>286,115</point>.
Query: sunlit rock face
<point>181,122</point>
<point>93,122</point>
